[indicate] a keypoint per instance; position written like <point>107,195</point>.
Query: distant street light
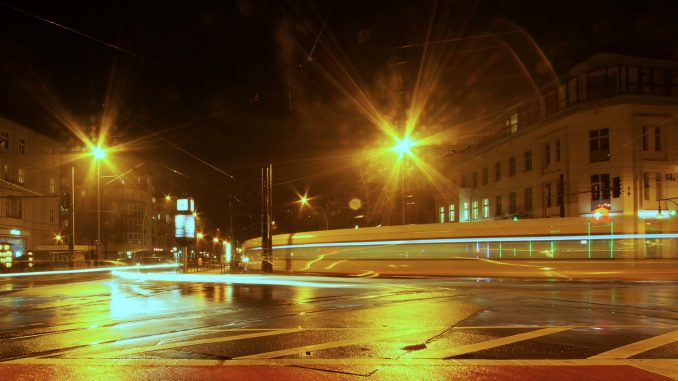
<point>304,201</point>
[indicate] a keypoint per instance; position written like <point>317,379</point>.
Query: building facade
<point>29,191</point>
<point>603,141</point>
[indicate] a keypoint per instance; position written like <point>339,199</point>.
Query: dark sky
<point>242,83</point>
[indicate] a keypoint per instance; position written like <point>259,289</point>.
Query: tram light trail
<point>90,270</point>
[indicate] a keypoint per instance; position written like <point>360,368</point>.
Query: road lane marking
<point>132,351</point>
<point>333,344</point>
<point>463,349</point>
<point>344,361</point>
<point>633,349</point>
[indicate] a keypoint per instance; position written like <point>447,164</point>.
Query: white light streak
<point>90,270</point>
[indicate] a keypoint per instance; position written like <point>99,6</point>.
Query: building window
<point>4,140</point>
<point>52,185</point>
<point>557,148</point>
<point>485,175</point>
<point>657,139</point>
<point>466,215</point>
<point>442,214</point>
<point>463,181</point>
<point>497,207</point>
<point>527,202</point>
<point>658,186</point>
<point>512,166</point>
<point>645,139</point>
<point>599,145</point>
<point>474,210</point>
<point>528,161</point>
<point>51,215</point>
<point>547,194</point>
<point>646,186</point>
<point>546,158</point>
<point>486,208</point>
<point>452,214</point>
<point>600,187</point>
<point>20,176</point>
<point>512,203</point>
<point>512,124</point>
<point>475,179</point>
<point>22,146</point>
<point>497,172</point>
<point>14,207</point>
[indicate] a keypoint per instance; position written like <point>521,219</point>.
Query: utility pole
<point>267,219</point>
<point>71,241</point>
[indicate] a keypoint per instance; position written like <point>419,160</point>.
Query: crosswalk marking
<point>463,349</point>
<point>332,344</point>
<point>638,347</point>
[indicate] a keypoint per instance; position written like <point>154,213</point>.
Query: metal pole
<point>98,209</point>
<point>71,241</point>
<point>184,253</point>
<point>402,188</point>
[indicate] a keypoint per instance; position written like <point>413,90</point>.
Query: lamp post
<point>98,153</point>
<point>304,201</point>
<point>403,148</point>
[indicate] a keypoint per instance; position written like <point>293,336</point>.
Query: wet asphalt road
<point>110,327</point>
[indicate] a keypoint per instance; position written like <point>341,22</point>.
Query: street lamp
<point>98,153</point>
<point>403,148</point>
<point>304,201</point>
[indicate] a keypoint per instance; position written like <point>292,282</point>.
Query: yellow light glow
<point>303,200</point>
<point>98,152</point>
<point>215,240</point>
<point>404,147</point>
<point>200,235</point>
<point>58,237</point>
<point>168,198</point>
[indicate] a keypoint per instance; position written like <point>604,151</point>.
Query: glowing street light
<point>168,197</point>
<point>215,240</point>
<point>58,238</point>
<point>200,235</point>
<point>304,201</point>
<point>404,147</point>
<point>98,153</point>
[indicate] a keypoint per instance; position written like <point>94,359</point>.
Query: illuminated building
<point>611,120</point>
<point>29,190</point>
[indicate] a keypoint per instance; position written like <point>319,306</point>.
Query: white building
<point>612,120</point>
<point>29,190</point>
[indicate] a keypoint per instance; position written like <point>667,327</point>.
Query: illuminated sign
<point>227,249</point>
<point>184,226</point>
<point>15,232</point>
<point>653,213</point>
<point>182,205</point>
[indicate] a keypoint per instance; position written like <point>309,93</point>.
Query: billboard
<point>184,226</point>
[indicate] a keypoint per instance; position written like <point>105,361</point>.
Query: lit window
<point>52,185</point>
<point>474,210</point>
<point>20,176</point>
<point>486,208</point>
<point>466,215</point>
<point>22,146</point>
<point>442,214</point>
<point>452,214</point>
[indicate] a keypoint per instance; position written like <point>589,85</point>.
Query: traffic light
<point>616,187</point>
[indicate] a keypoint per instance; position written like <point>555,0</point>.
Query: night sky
<point>242,83</point>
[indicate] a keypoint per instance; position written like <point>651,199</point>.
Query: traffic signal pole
<point>267,219</point>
